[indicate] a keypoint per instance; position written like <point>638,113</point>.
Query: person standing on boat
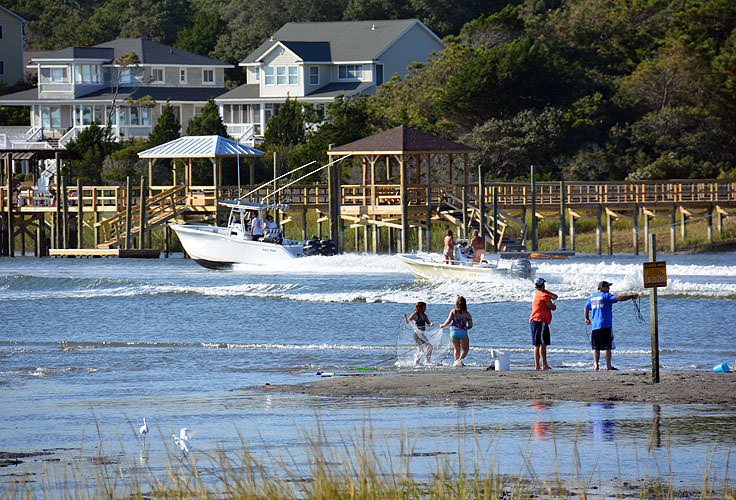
<point>542,306</point>
<point>449,251</point>
<point>599,313</point>
<point>460,322</point>
<point>420,319</point>
<point>478,246</point>
<point>256,228</point>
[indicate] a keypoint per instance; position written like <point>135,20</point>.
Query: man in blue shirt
<point>599,313</point>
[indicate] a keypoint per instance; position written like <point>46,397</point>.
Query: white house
<point>316,62</point>
<point>80,85</point>
<point>11,46</point>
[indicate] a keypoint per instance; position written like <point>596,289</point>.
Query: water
<point>102,343</point>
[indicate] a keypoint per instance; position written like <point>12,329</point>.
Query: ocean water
<point>91,346</point>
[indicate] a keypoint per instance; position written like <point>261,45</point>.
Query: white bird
<point>144,430</point>
<point>182,440</point>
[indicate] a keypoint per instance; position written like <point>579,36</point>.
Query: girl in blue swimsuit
<point>460,322</point>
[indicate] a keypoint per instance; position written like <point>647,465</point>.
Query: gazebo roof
<point>401,140</point>
<point>200,146</point>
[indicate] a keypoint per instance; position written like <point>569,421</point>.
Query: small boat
<point>433,266</point>
<point>217,247</point>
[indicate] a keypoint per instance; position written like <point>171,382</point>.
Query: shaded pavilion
<point>211,147</point>
<point>404,147</point>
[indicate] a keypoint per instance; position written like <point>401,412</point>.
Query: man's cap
<point>601,284</point>
<point>539,281</point>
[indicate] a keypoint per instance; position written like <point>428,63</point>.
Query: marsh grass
<point>355,467</point>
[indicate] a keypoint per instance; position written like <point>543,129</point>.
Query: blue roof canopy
<point>201,146</point>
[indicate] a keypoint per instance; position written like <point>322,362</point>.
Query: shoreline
<point>677,387</point>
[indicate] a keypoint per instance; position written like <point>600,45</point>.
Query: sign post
<point>655,275</point>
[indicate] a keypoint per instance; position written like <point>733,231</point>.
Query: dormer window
<point>269,76</point>
<point>208,76</point>
<point>256,74</point>
<point>157,75</point>
<point>314,75</point>
<point>281,75</point>
<point>350,72</point>
<point>57,74</point>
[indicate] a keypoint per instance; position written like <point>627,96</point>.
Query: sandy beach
<point>474,383</point>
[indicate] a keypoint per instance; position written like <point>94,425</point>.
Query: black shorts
<point>601,339</point>
<point>540,333</point>
<point>419,337</point>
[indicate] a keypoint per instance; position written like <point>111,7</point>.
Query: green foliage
<point>125,162</point>
<point>166,129</point>
<point>208,123</point>
<point>93,145</point>
<point>201,37</point>
<point>287,127</point>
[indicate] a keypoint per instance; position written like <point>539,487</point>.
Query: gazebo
<point>405,146</point>
<point>211,147</point>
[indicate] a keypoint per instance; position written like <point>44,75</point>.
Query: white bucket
<point>502,360</point>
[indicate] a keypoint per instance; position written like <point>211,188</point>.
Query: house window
<point>208,76</point>
<point>280,75</point>
<point>135,115</point>
<point>87,73</point>
<point>256,74</point>
<point>157,75</point>
<point>314,75</point>
<point>268,71</point>
<point>54,75</point>
<point>131,75</point>
<point>182,75</point>
<point>350,72</point>
<point>379,74</point>
<point>51,116</point>
<point>293,75</point>
<point>2,68</point>
<point>1,31</point>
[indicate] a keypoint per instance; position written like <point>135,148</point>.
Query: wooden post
<point>635,230</point>
<point>645,212</point>
<point>523,226</point>
<point>365,238</point>
<point>465,197</point>
<point>37,247</point>
<point>22,234</point>
<point>496,241</point>
<point>276,197</point>
<point>429,208</point>
<point>64,214</point>
<point>599,231</point>
<point>96,228</point>
<point>333,189</point>
<point>167,239</point>
<point>142,215</point>
<point>80,214</point>
<point>673,230</point>
<point>11,228</point>
<point>404,207</point>
<point>482,205</point>
<point>710,224</point>
<point>533,190</point>
<point>683,224</point>
<point>563,230</point>
<point>653,320</point>
<point>609,233</point>
<point>252,173</point>
<point>128,210</point>
<point>719,221</point>
<point>572,231</point>
<point>304,222</point>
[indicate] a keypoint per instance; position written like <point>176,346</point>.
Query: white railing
<point>70,135</point>
<point>33,134</point>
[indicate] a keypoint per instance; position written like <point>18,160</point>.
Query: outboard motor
<point>313,247</point>
<point>328,247</point>
<point>522,268</point>
<point>273,236</point>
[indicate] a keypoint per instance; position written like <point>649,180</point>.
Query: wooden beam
<point>613,214</point>
<point>647,212</point>
<point>684,211</point>
<point>573,213</point>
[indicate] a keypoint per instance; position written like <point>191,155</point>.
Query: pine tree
<point>209,122</point>
<point>166,129</point>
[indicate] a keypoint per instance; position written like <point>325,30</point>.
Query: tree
<point>93,144</point>
<point>209,122</point>
<point>287,127</point>
<point>201,37</point>
<point>166,129</point>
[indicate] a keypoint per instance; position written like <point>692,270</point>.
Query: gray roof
<point>310,51</point>
<point>200,146</point>
<point>331,90</point>
<point>347,40</point>
<point>159,94</point>
<point>13,14</point>
<point>148,52</point>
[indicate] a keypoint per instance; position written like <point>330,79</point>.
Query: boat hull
<point>429,269</point>
<point>216,247</point>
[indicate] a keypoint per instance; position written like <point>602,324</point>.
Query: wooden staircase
<point>158,210</point>
<point>510,229</point>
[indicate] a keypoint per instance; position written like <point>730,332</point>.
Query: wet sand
<point>476,383</point>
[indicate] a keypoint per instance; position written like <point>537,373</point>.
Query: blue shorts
<point>601,339</point>
<point>540,333</point>
<point>458,334</point>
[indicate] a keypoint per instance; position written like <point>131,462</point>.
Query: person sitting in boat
<point>270,224</point>
<point>449,251</point>
<point>256,228</point>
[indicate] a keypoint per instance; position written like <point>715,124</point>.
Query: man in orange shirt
<point>542,307</point>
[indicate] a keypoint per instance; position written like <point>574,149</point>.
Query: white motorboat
<point>220,247</point>
<point>491,266</point>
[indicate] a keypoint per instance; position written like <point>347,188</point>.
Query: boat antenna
<point>238,157</point>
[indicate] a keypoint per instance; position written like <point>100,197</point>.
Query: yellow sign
<point>655,274</point>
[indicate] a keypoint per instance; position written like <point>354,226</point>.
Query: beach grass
<point>352,467</point>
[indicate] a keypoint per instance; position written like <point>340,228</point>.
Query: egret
<point>143,431</point>
<point>182,440</point>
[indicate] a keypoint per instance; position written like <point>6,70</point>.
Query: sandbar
<point>469,383</point>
